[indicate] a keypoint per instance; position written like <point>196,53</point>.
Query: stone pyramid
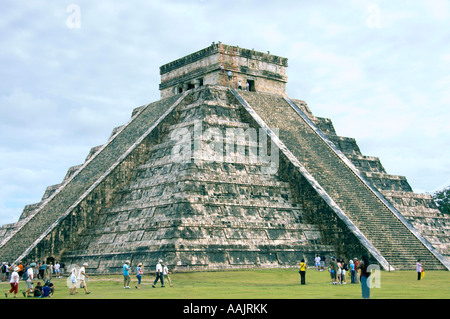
<point>213,176</point>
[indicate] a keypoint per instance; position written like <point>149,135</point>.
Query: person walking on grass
<point>159,274</point>
<point>29,280</point>
<point>139,273</point>
<point>73,279</point>
<point>126,275</point>
<point>166,274</point>
<point>82,278</point>
<point>14,283</point>
<point>364,278</point>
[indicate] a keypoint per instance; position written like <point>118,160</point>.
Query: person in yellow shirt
<point>302,271</point>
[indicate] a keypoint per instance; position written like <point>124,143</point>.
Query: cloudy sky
<point>71,71</point>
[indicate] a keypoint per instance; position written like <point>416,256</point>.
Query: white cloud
<point>63,90</point>
<point>439,9</point>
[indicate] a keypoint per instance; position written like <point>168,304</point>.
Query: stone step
<point>349,192</point>
<point>61,201</point>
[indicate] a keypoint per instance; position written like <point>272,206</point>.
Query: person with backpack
<point>28,277</point>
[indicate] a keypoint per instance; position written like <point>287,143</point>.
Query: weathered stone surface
<point>202,180</point>
<point>266,72</point>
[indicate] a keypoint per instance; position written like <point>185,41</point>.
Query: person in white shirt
<point>50,270</point>
<point>317,262</point>
<point>14,282</point>
<point>29,281</point>
<point>159,274</point>
<point>166,274</point>
<point>57,272</point>
<point>73,279</point>
<point>82,278</point>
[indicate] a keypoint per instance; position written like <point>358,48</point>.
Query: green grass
<point>257,284</point>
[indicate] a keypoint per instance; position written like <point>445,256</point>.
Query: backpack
<point>25,274</point>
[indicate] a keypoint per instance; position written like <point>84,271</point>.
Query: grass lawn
<point>256,284</point>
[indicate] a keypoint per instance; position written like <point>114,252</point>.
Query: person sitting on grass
<point>37,290</point>
<point>46,291</point>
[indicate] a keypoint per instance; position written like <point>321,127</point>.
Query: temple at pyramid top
<point>225,65</point>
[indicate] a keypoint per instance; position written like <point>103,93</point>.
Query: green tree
<point>442,199</point>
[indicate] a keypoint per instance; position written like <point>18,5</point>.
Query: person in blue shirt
<point>352,271</point>
<point>46,290</point>
<point>126,275</point>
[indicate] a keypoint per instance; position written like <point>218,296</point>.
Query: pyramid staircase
<point>392,240</point>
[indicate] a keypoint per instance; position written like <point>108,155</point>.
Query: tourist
<point>61,268</point>
<point>126,275</point>
<point>28,277</point>
<point>229,75</point>
<point>333,270</point>
<point>14,282</point>
<point>356,262</point>
<point>50,271</point>
<point>352,271</point>
<point>317,262</point>
<point>46,290</point>
<point>57,270</point>
<point>139,273</point>
<point>239,85</point>
<point>43,270</point>
<point>36,271</point>
<point>37,290</point>
<point>365,289</point>
<point>73,279</point>
<point>82,278</point>
<point>166,274</point>
<point>52,288</point>
<point>8,270</point>
<point>4,267</point>
<point>247,86</point>
<point>47,273</point>
<point>159,274</point>
<point>302,271</point>
<point>40,271</point>
<point>338,271</point>
<point>419,269</point>
<point>21,268</point>
<point>344,271</point>
<point>322,263</point>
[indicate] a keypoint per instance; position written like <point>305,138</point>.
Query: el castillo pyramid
<point>226,171</point>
